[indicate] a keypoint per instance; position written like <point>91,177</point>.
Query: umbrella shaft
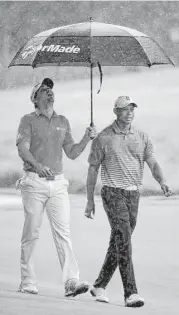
<point>91,80</point>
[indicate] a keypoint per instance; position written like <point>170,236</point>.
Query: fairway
<point>155,254</point>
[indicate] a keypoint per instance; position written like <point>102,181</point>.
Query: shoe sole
<point>101,301</point>
<point>136,304</point>
<point>28,292</point>
<point>80,290</point>
<point>98,300</point>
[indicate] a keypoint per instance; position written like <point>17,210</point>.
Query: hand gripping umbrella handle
<point>92,125</point>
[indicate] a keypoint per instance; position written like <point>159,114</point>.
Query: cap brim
<point>134,104</point>
<point>32,97</point>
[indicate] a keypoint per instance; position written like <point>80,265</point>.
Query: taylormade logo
<point>50,48</point>
<point>59,48</point>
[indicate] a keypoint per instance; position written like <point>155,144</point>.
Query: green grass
<point>156,92</point>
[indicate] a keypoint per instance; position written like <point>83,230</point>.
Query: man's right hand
<point>43,171</point>
<point>90,209</point>
<point>166,190</point>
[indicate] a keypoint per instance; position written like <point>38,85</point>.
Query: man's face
<point>126,114</point>
<point>45,94</point>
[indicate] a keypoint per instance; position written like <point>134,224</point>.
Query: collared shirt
<point>47,139</point>
<point>121,156</point>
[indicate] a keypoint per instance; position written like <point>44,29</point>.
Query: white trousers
<point>38,193</point>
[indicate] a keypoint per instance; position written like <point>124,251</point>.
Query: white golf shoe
<point>134,300</point>
<point>75,287</point>
<point>99,294</point>
<point>28,288</point>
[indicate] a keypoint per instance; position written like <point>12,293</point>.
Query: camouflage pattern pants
<point>121,207</point>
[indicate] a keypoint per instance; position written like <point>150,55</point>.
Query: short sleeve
<point>149,149</point>
<point>68,139</point>
<point>96,155</point>
<point>24,130</point>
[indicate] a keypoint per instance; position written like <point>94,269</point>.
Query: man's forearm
<point>27,157</point>
<point>78,148</point>
<point>157,173</point>
<point>91,182</point>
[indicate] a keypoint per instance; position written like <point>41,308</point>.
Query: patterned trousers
<point>121,207</point>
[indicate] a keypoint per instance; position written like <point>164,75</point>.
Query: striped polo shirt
<point>47,139</point>
<point>121,156</point>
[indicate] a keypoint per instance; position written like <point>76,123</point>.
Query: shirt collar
<point>119,131</point>
<point>38,113</point>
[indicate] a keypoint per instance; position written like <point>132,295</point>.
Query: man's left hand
<point>166,190</point>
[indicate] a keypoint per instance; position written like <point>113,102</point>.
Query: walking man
<point>121,150</point>
<point>42,136</point>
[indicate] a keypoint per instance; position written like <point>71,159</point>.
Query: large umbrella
<point>91,44</point>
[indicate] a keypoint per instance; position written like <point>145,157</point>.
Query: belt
<point>51,177</point>
<point>134,187</point>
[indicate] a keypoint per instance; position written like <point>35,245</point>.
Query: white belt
<point>134,187</point>
<point>35,175</point>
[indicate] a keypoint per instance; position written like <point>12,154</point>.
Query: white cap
<point>123,101</point>
<point>34,90</point>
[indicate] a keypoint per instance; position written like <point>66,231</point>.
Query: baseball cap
<point>47,81</point>
<point>123,101</point>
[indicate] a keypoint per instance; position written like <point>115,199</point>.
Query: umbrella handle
<point>92,125</point>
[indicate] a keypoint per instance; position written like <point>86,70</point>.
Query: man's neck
<point>47,111</point>
<point>122,126</point>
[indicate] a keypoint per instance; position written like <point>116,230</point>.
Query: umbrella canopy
<point>89,43</point>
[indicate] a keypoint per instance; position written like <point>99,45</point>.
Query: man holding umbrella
<point>83,44</point>
<point>121,150</point>
<point>42,135</point>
